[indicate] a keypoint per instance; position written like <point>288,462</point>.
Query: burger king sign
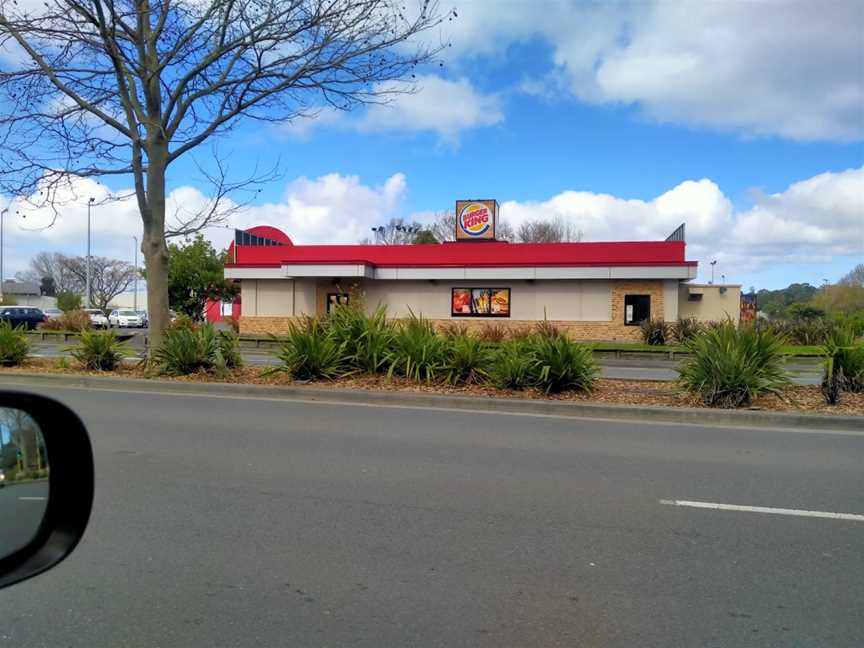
<point>475,219</point>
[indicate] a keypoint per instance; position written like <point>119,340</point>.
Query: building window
<point>336,299</point>
<point>637,309</point>
<point>480,302</point>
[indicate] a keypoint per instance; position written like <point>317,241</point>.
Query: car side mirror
<point>46,492</point>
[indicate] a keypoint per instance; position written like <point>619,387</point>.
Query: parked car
<point>145,321</point>
<point>25,316</point>
<point>97,318</point>
<point>52,313</point>
<point>125,319</point>
<point>2,479</point>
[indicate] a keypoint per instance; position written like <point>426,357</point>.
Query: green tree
<point>68,301</point>
<point>196,273</point>
<point>424,236</point>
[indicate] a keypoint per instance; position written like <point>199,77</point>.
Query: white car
<point>52,313</point>
<point>125,319</point>
<point>97,317</point>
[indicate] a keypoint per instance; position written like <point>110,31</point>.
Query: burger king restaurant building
<point>595,291</point>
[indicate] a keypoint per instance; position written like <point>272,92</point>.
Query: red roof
<point>469,254</point>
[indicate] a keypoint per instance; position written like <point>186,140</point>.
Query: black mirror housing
<point>70,487</point>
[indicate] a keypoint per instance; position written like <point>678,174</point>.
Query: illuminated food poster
<point>481,302</point>
<point>461,301</point>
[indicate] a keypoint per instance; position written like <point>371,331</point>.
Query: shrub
<point>686,328</point>
<point>75,320</point>
<point>183,323</point>
<point>728,367</point>
<point>492,332</point>
<point>561,364</point>
<point>803,331</point>
<point>99,350</point>
<point>229,350</point>
<point>654,332</point>
<point>546,329</point>
<point>14,345</point>
<point>843,363</point>
<point>466,360</point>
<point>62,363</point>
<point>521,332</point>
<point>188,350</point>
<point>418,351</point>
<point>454,329</point>
<point>310,351</point>
<point>366,338</point>
<point>512,364</point>
<point>68,301</point>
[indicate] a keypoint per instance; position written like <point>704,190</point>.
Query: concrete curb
<point>696,416</point>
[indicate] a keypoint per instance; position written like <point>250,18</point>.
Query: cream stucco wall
<point>586,301</point>
<point>277,297</point>
<point>714,305</point>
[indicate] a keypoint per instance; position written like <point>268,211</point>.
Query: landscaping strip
<point>695,416</point>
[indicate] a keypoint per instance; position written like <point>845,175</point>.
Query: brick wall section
<point>613,330</point>
<point>264,325</point>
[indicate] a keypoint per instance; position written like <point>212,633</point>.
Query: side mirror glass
<point>24,480</point>
<point>46,484</point>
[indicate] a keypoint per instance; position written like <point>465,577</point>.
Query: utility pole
<point>135,295</point>
<point>89,203</point>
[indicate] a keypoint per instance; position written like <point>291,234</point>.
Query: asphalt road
<point>255,523</point>
<point>803,371</point>
<point>22,507</point>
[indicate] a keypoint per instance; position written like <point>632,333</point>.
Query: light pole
<point>713,263</point>
<point>135,284</point>
<point>2,215</point>
<point>89,204</point>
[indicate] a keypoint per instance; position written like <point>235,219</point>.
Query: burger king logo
<point>475,219</point>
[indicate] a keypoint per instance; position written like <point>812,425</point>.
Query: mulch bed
<point>797,398</point>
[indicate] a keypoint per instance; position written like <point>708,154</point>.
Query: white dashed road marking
<point>764,509</point>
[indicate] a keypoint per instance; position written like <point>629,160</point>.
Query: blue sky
<point>743,120</point>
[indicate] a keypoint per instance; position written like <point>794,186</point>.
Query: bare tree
<point>224,199</point>
<point>855,277</point>
<point>127,87</point>
<point>443,226</point>
<point>547,231</point>
<point>397,231</point>
<point>108,277</point>
<point>51,264</point>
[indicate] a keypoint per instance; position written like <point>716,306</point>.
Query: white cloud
<point>811,221</point>
<point>441,106</point>
<point>329,209</point>
<point>781,68</point>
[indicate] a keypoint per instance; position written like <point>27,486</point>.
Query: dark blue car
<point>25,316</point>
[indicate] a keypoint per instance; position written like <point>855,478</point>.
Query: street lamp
<point>379,233</point>
<point>89,204</point>
<point>2,214</point>
<point>135,284</point>
<point>713,263</point>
